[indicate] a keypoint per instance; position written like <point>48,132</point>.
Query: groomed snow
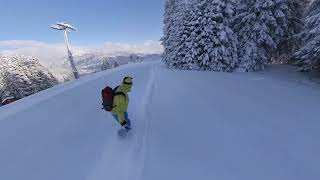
<point>187,125</point>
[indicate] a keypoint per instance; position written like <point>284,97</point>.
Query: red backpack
<point>107,97</point>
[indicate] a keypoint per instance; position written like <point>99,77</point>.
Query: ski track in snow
<point>148,118</point>
<point>130,164</point>
<point>186,125</point>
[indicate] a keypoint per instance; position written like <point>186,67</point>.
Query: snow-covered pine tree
<point>39,76</point>
<point>174,13</point>
<point>206,42</point>
<point>170,9</point>
<point>182,32</point>
<point>23,76</point>
<point>309,55</point>
<point>2,65</point>
<point>108,63</point>
<point>260,26</point>
<point>291,42</point>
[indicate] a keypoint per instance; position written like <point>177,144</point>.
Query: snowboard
<point>123,132</point>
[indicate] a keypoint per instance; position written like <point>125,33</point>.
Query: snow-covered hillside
<point>187,125</point>
<point>93,62</point>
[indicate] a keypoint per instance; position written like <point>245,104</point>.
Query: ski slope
<point>187,125</point>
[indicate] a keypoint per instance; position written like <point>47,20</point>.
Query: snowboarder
<point>121,102</point>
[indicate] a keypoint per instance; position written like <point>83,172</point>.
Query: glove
<point>126,126</point>
<point>123,123</point>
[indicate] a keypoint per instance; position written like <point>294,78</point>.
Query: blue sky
<point>98,21</point>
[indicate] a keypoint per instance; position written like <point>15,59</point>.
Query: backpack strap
<point>115,93</point>
<point>116,88</point>
<point>118,93</point>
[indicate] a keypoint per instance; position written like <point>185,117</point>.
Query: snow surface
<point>187,125</point>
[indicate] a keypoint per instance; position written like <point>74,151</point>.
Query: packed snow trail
<point>129,152</point>
<point>187,125</point>
<point>224,126</point>
<point>62,133</point>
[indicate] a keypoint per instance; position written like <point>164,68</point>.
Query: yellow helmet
<point>127,80</point>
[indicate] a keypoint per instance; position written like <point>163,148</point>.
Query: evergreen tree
<point>23,76</point>
<point>309,55</point>
<point>173,13</point>
<point>108,63</point>
<point>181,44</point>
<point>291,41</point>
<point>260,26</point>
<point>203,39</point>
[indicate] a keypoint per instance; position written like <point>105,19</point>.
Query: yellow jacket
<point>120,102</point>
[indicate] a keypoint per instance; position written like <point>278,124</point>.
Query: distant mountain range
<point>91,62</point>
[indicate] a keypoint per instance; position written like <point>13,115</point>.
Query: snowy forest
<point>243,35</point>
<point>22,76</point>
